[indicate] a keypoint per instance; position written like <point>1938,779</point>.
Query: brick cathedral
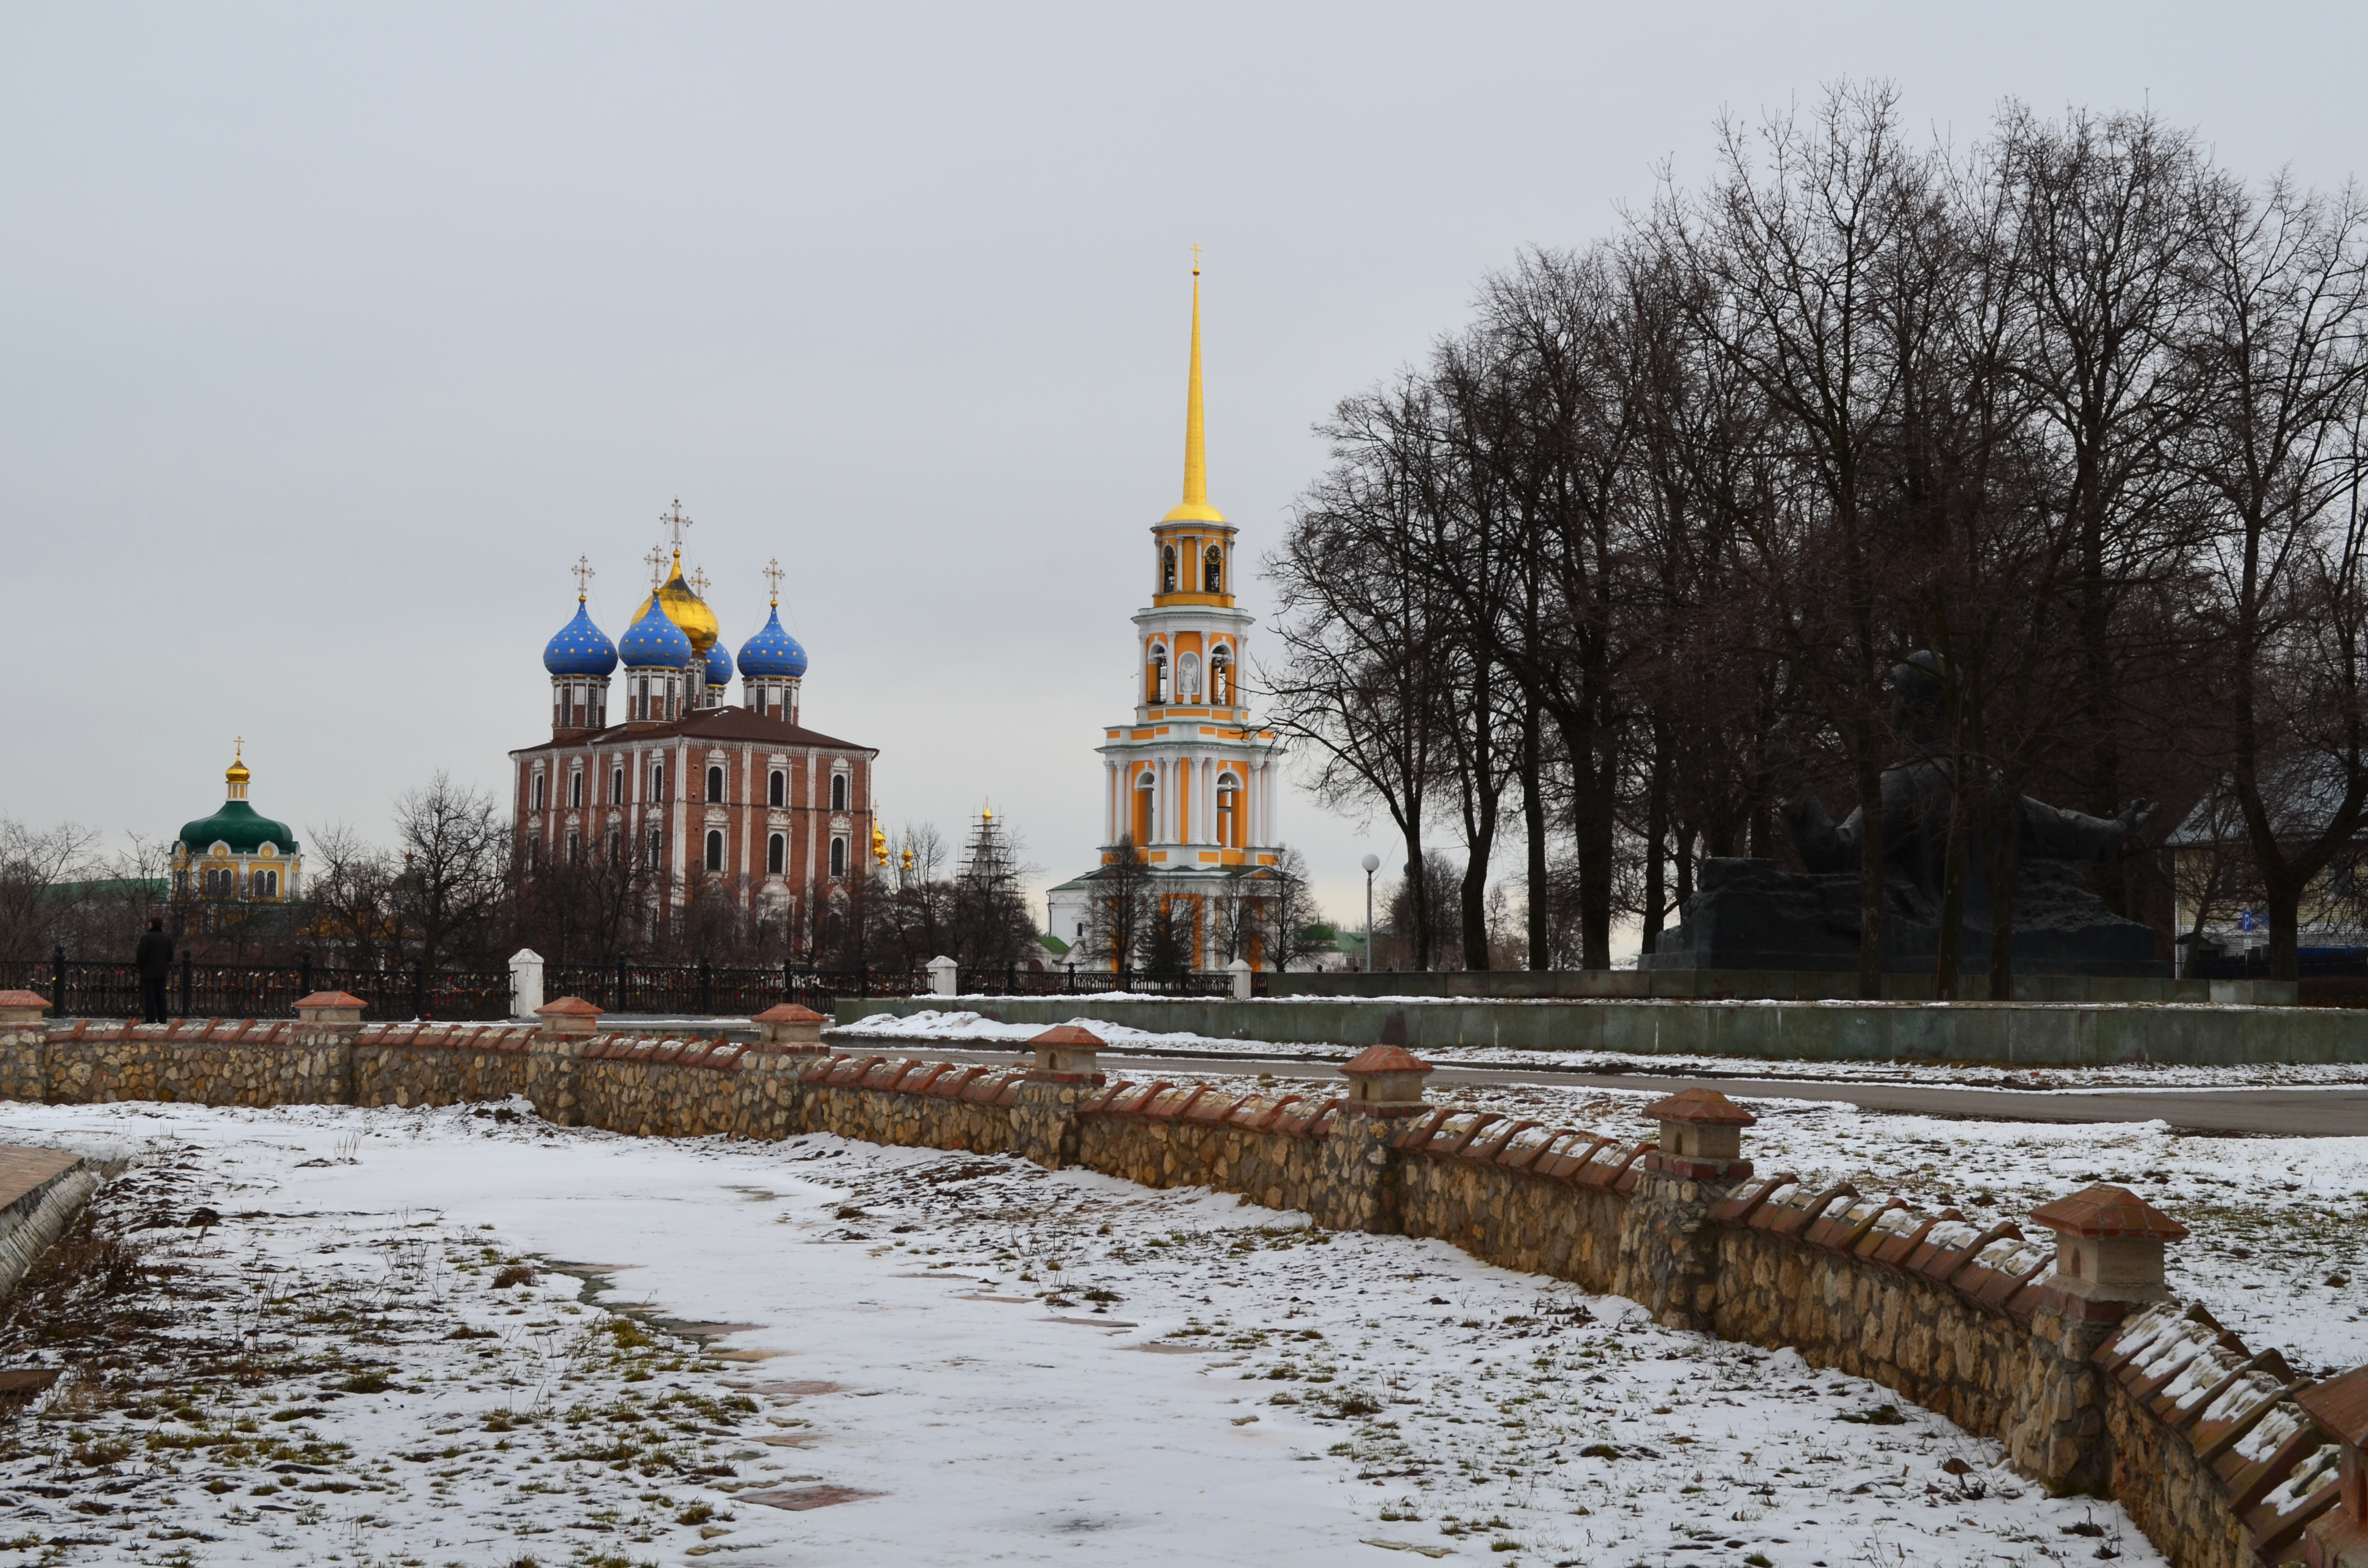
<point>698,796</point>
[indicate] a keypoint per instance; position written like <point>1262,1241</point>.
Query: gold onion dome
<point>686,609</point>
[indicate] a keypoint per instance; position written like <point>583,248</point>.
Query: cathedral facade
<point>692,795</point>
<point>1189,785</point>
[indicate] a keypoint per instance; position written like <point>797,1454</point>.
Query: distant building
<point>238,855</point>
<point>695,794</point>
<point>1193,783</point>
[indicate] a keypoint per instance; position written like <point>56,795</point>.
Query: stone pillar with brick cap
<point>2109,1243</point>
<point>555,1059</point>
<point>1669,1251</point>
<point>2109,1256</point>
<point>2339,1407</point>
<point>773,1090</point>
<point>24,1038</point>
<point>328,1023</point>
<point>790,1027</point>
<point>1044,1121</point>
<point>1358,1186</point>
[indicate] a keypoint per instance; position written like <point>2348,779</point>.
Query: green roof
<point>239,825</point>
<point>1053,944</point>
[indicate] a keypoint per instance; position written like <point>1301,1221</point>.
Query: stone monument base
<point>1749,916</point>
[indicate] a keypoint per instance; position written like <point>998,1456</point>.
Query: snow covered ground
<point>963,1027</point>
<point>368,1350</point>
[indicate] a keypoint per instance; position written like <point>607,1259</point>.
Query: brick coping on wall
<point>2201,1437</point>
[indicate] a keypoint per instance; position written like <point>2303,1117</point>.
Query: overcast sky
<point>330,337</point>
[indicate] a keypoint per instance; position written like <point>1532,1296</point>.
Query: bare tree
<point>450,891</point>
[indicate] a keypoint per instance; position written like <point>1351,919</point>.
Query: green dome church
<point>237,854</point>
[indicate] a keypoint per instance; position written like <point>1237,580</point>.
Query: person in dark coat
<point>155,961</point>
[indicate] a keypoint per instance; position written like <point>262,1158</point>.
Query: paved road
<point>2332,1112</point>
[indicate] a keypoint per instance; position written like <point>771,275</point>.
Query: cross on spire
<point>657,561</point>
<point>773,574</point>
<point>583,575</point>
<point>675,522</point>
<point>698,581</point>
<point>1196,258</point>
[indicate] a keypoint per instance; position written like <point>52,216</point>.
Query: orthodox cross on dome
<point>583,572</point>
<point>698,581</point>
<point>675,522</point>
<point>656,560</point>
<point>773,574</point>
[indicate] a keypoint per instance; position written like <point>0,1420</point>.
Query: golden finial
<point>1195,507</point>
<point>906,863</point>
<point>773,574</point>
<point>237,775</point>
<point>879,841</point>
<point>583,575</point>
<point>987,812</point>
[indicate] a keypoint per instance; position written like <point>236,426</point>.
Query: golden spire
<point>1195,507</point>
<point>237,775</point>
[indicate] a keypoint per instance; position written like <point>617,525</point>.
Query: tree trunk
<point>1657,828</point>
<point>1533,823</point>
<point>1418,900</point>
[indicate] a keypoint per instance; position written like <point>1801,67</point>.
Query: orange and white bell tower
<point>1192,783</point>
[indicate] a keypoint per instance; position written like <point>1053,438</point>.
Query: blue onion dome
<point>772,653</point>
<point>653,641</point>
<point>580,648</point>
<point>718,666</point>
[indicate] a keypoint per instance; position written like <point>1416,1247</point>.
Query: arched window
<point>616,785</point>
<point>837,794</point>
<point>1229,812</point>
<point>657,846</point>
<point>837,857</point>
<point>574,847</point>
<point>266,884</point>
<point>714,783</point>
<point>1212,571</point>
<point>575,789</point>
<point>777,790</point>
<point>1168,569</point>
<point>1144,817</point>
<point>1221,676</point>
<point>536,794</point>
<point>1156,684</point>
<point>776,851</point>
<point>657,781</point>
<point>715,849</point>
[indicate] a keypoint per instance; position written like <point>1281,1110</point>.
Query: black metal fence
<point>82,988</point>
<point>703,990</point>
<point>1070,981</point>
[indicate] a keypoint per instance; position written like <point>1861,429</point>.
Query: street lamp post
<point>1372,863</point>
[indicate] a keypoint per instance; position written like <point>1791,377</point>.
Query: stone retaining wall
<point>2202,1439</point>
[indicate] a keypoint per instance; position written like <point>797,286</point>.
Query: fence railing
<point>718,991</point>
<point>1069,980</point>
<point>87,988</point>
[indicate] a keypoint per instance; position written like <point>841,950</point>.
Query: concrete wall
<point>1638,984</point>
<point>2193,1432</point>
<point>2019,1033</point>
